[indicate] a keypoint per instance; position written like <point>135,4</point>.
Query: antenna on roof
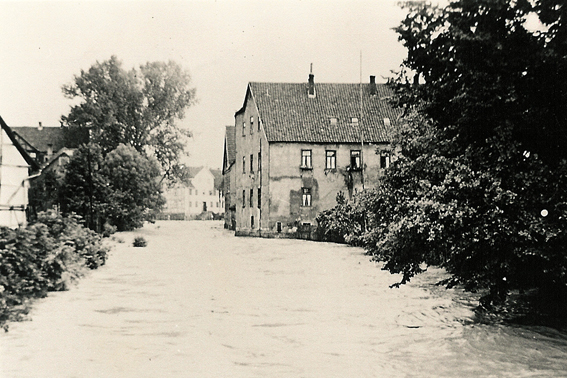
<point>311,68</point>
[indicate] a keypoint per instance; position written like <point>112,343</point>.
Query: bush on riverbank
<point>48,255</point>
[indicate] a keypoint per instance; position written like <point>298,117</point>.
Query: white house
<point>15,168</point>
<point>201,195</point>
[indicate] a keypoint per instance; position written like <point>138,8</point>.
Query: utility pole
<point>360,127</point>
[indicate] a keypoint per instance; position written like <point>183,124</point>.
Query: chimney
<point>49,150</point>
<point>372,85</point>
<point>40,127</point>
<point>311,86</point>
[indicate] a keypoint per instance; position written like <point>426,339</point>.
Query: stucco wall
<point>14,186</point>
<point>250,141</point>
<point>287,179</point>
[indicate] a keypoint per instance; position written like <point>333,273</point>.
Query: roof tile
<point>289,115</point>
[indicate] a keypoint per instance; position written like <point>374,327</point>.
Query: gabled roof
<point>193,171</point>
<point>40,139</point>
<point>64,151</point>
<point>289,115</point>
<point>33,165</point>
<point>218,178</point>
<point>229,156</point>
<point>231,143</point>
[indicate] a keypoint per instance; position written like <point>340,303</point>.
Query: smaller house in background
<point>200,197</point>
<point>43,143</point>
<point>228,173</point>
<point>16,168</point>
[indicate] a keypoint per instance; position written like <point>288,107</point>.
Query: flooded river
<point>198,302</point>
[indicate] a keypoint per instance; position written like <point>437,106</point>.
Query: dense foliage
<point>47,255</point>
<point>137,108</point>
<point>120,189</point>
<point>479,183</point>
<point>344,223</point>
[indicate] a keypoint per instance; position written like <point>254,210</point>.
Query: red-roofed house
<point>298,145</point>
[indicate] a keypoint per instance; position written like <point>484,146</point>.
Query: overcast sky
<point>223,44</point>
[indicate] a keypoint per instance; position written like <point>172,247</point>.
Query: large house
<point>16,168</point>
<point>297,145</point>
<point>200,196</point>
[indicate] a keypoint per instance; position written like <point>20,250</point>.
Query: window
<point>333,121</point>
<point>251,163</point>
<point>306,198</point>
<point>354,121</point>
<point>252,221</point>
<point>258,123</point>
<point>355,159</point>
<point>251,124</point>
<point>331,159</point>
<point>244,164</point>
<point>384,159</point>
<point>259,161</point>
<point>196,203</point>
<point>210,192</point>
<point>306,159</point>
<point>190,192</point>
<point>251,197</point>
<point>259,198</point>
<point>279,226</point>
<point>243,198</point>
<point>190,204</point>
<point>243,128</point>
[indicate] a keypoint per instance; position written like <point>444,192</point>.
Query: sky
<point>223,44</point>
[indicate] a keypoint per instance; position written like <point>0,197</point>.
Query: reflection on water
<point>198,302</point>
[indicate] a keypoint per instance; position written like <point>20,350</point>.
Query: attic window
<point>387,122</point>
<point>333,120</point>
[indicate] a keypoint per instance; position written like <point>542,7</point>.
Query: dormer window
<point>354,120</point>
<point>387,122</point>
<point>333,121</point>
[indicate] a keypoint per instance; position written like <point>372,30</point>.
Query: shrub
<point>45,256</point>
<point>139,241</point>
<point>344,223</point>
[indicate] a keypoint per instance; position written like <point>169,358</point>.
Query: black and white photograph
<point>283,188</point>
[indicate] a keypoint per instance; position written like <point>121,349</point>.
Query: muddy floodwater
<point>199,302</point>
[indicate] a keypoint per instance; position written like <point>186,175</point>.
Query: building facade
<point>299,144</point>
<point>229,177</point>
<point>16,166</point>
<point>200,197</point>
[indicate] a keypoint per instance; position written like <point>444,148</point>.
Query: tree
<point>121,189</point>
<point>84,189</point>
<point>134,190</point>
<point>44,193</point>
<point>138,108</point>
<point>479,184</point>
